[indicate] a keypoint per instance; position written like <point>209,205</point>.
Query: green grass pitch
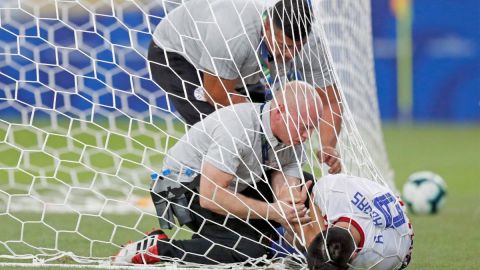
<point>449,240</point>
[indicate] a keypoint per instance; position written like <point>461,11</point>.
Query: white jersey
<point>386,233</point>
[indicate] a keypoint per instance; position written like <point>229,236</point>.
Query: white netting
<point>350,44</point>
<point>83,125</point>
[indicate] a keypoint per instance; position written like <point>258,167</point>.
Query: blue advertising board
<point>446,59</point>
<point>445,51</point>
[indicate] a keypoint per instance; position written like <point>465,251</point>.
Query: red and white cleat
<point>144,251</point>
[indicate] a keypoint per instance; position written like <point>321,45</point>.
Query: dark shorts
<point>179,79</point>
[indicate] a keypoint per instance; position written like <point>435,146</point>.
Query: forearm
<point>306,232</point>
<point>224,98</point>
<point>217,197</point>
<point>224,201</point>
<point>221,91</point>
<point>299,236</point>
<point>332,116</point>
<point>330,127</point>
<point>302,235</point>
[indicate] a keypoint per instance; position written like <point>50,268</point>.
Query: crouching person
<point>221,179</point>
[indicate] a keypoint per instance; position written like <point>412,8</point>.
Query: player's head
<point>287,28</point>
<point>331,249</point>
<point>297,110</point>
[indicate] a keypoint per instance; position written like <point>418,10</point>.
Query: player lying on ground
<point>207,54</point>
<point>358,224</point>
<point>230,150</point>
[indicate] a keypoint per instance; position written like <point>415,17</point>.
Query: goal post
<point>83,125</point>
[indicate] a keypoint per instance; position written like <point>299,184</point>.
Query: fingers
<point>330,156</point>
<point>294,194</point>
<point>303,220</point>
<point>300,194</point>
<point>287,193</point>
<point>292,201</point>
<point>304,191</point>
<point>335,167</point>
<point>292,209</point>
<point>299,210</point>
<point>296,213</point>
<point>333,161</point>
<point>308,186</point>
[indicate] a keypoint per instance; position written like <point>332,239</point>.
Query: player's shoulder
<point>337,178</point>
<point>340,181</point>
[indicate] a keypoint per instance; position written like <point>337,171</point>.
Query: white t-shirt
<point>386,233</point>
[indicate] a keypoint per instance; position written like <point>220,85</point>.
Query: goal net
<point>83,125</point>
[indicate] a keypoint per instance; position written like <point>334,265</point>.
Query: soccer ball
<point>424,193</point>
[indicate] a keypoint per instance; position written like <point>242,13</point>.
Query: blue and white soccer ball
<point>424,193</point>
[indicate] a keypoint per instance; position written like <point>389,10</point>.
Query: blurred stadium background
<point>427,60</point>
